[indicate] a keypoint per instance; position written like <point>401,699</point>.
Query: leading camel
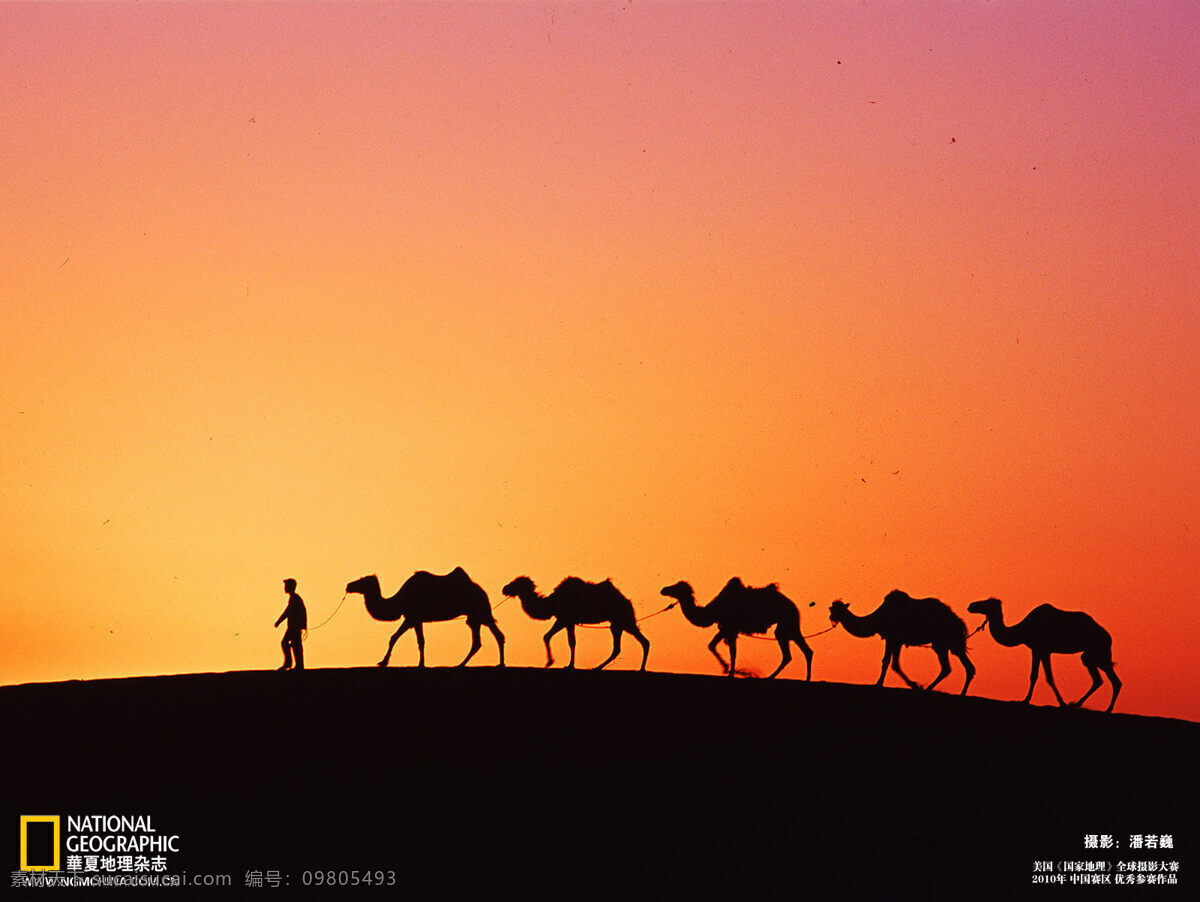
<point>426,598</point>
<point>902,620</point>
<point>1048,630</point>
<point>577,601</point>
<point>742,609</point>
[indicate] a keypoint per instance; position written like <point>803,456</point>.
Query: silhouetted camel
<point>901,621</point>
<point>425,598</point>
<point>575,601</point>
<point>739,609</point>
<point>1048,630</point>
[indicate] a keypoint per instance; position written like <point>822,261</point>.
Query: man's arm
<point>282,617</point>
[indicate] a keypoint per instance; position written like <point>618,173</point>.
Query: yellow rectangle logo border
<point>27,819</point>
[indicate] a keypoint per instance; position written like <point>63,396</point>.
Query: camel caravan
<point>740,610</point>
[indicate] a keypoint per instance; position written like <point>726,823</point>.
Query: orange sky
<point>845,296</point>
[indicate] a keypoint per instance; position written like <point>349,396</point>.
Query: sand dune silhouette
<point>483,782</point>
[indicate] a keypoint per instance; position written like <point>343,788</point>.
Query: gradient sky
<point>847,296</point>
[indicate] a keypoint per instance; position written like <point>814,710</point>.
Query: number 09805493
<point>330,877</point>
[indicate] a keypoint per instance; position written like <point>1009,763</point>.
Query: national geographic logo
<point>40,842</point>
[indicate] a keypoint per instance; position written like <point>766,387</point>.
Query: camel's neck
<point>535,605</point>
<point>696,615</point>
<point>381,608</point>
<point>863,627</point>
<point>1005,635</point>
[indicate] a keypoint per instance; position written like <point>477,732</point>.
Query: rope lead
<point>330,617</point>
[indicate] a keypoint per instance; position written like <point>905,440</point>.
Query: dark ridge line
<point>799,687</point>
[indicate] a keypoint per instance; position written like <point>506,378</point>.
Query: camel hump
<point>1050,611</point>
<point>608,587</point>
<point>1080,620</point>
<point>896,597</point>
<point>938,608</point>
<point>424,578</point>
<point>610,590</point>
<point>463,583</point>
<point>572,584</point>
<point>769,591</point>
<point>419,577</point>
<point>781,602</point>
<point>458,576</point>
<point>734,592</point>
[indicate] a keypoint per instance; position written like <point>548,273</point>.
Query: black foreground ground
<point>483,783</point>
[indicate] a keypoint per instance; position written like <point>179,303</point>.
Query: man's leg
<point>287,651</point>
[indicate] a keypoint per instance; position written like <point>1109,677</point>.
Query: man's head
<point>289,586</point>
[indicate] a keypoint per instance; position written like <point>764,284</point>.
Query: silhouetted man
<point>297,617</point>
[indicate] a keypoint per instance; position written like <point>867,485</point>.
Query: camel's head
<point>989,607</point>
<point>522,585</point>
<point>679,591</point>
<point>362,585</point>
<point>838,611</point>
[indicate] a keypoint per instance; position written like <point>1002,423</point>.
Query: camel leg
<point>1033,675</point>
<point>712,646</point>
<point>1050,679</point>
<point>404,627</point>
<point>499,639</point>
<point>896,667</point>
<point>419,629</point>
<point>888,650</point>
<point>1095,663</point>
<point>943,659</point>
<point>476,644</point>
<point>1116,684</point>
<point>645,643</point>
<point>784,642</point>
<point>968,667</point>
<point>731,641</point>
<point>558,625</point>
<point>808,655</point>
<point>1096,681</point>
<point>616,634</point>
<point>571,645</point>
